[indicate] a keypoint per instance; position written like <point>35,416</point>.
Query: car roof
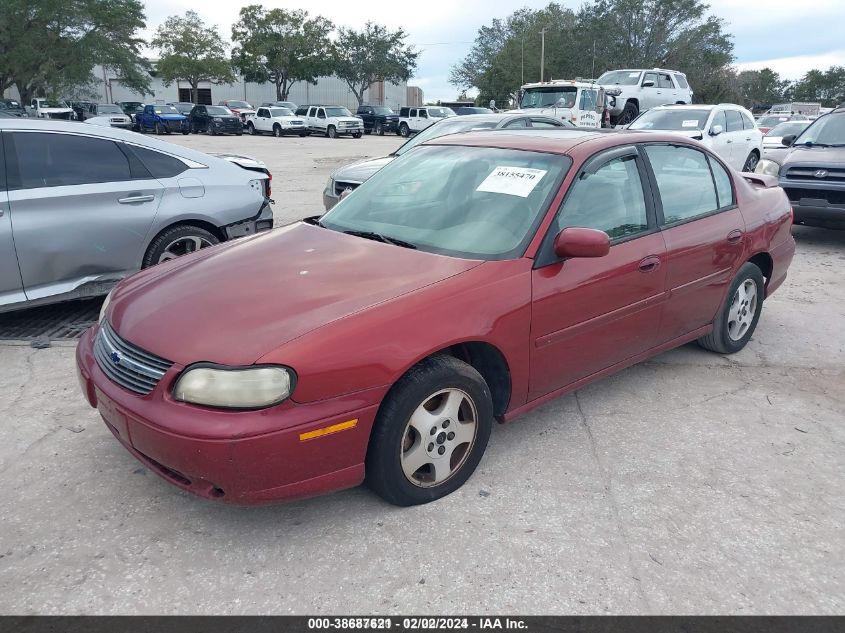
<point>555,141</point>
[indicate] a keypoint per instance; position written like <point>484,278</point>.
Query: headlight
<point>767,168</point>
<point>234,388</point>
<point>105,305</point>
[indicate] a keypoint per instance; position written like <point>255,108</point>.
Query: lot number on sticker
<point>512,181</point>
<point>690,123</point>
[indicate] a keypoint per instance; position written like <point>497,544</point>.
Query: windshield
<point>108,109</point>
<point>166,109</point>
<point>620,78</point>
<point>52,104</point>
<point>826,130</point>
<point>790,127</point>
<point>9,104</point>
<point>383,110</point>
<point>440,113</point>
<point>771,121</point>
<point>681,119</point>
<point>338,112</point>
<point>548,97</point>
<point>442,128</point>
<point>280,112</point>
<point>184,108</point>
<point>470,202</point>
<point>239,104</point>
<point>218,110</point>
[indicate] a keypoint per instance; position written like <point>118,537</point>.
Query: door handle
<point>134,199</point>
<point>735,236</point>
<point>649,264</point>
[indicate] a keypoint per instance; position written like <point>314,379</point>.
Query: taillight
<point>268,183</point>
<point>791,215</point>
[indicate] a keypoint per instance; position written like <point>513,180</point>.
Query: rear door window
<point>55,160</point>
<point>665,81</point>
<point>684,182</point>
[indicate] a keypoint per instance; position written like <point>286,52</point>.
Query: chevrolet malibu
<point>467,282</point>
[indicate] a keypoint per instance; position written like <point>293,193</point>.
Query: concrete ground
<point>692,484</point>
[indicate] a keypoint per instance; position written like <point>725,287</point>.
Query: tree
<point>826,87</point>
<point>281,47</point>
<point>191,52</point>
<point>759,88</point>
<point>373,54</point>
<point>50,47</point>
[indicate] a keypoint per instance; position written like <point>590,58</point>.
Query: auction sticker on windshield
<point>690,123</point>
<point>512,181</point>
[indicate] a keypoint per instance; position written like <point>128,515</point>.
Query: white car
<point>332,121</point>
<point>413,120</point>
<point>727,129</point>
<point>576,102</point>
<point>275,121</point>
<point>632,91</point>
<point>48,109</point>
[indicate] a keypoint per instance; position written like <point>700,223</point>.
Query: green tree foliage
<point>281,47</point>
<point>758,88</point>
<point>603,34</point>
<point>826,87</point>
<point>192,52</point>
<point>49,47</point>
<point>373,54</point>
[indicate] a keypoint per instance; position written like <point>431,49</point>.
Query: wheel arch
<point>635,101</point>
<point>764,262</point>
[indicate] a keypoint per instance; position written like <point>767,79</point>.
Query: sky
<point>774,33</point>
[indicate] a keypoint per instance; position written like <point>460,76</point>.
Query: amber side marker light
<point>328,430</point>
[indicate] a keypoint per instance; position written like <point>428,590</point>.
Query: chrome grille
<point>130,367</point>
<point>824,174</point>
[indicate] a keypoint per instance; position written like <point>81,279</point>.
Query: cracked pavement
<point>691,483</point>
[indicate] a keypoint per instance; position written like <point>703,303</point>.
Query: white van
<point>578,102</point>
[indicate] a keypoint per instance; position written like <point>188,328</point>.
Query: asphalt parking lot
<point>691,483</point>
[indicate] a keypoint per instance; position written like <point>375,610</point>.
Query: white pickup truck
<point>276,121</point>
<point>49,109</point>
<point>331,121</point>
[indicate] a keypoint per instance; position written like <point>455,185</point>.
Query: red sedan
<point>470,280</point>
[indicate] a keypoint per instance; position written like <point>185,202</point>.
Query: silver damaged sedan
<point>83,206</point>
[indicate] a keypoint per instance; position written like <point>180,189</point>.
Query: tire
<point>331,131</point>
<point>186,132</point>
<point>169,243</point>
<point>751,161</point>
<point>277,130</point>
<point>737,318</point>
<point>158,128</point>
<point>239,133</point>
<point>368,132</point>
<point>357,135</point>
<point>250,129</point>
<point>379,129</point>
<point>629,113</point>
<point>395,438</point>
<point>404,130</point>
<point>303,134</point>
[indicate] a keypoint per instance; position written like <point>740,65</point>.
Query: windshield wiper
<point>315,220</point>
<point>813,144</point>
<point>378,237</point>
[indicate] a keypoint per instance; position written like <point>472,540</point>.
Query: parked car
<point>414,120</point>
<point>766,123</point>
<point>290,105</point>
<point>184,107</point>
<point>93,204</point>
<point>81,109</point>
<point>632,91</point>
<point>275,121</point>
<point>812,173</point>
<point>161,119</point>
<point>773,148</point>
<point>581,103</point>
<point>465,110</point>
<point>51,109</point>
<point>214,120</point>
<point>241,108</point>
<point>726,129</point>
<point>378,119</point>
<point>12,107</point>
<point>349,177</point>
<point>446,293</point>
<point>332,121</point>
<point>108,115</point>
<point>130,108</point>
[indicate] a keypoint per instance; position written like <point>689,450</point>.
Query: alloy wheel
<point>742,310</point>
<point>183,246</point>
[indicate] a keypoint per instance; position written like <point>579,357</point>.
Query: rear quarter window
<point>159,165</point>
<point>681,81</point>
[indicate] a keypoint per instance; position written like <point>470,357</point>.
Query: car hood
<point>821,156</point>
<point>552,112</point>
<point>236,302</point>
<point>347,119</point>
<point>696,134</point>
<point>359,172</point>
<point>56,110</point>
<point>171,117</point>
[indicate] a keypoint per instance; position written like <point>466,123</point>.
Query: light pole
<point>522,73</point>
<point>542,52</point>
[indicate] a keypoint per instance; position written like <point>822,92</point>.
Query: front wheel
<point>430,432</point>
<point>357,135</point>
<point>379,129</point>
<point>277,130</point>
<point>177,241</point>
<point>404,130</point>
<point>751,162</point>
<point>331,132</point>
<point>250,128</point>
<point>159,129</point>
<point>737,319</point>
<point>629,113</point>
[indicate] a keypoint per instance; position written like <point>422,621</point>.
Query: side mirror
<point>788,140</point>
<point>716,130</point>
<point>648,84</point>
<point>580,242</point>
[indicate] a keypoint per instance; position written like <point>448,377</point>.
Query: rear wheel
<point>177,241</point>
<point>430,432</point>
<point>737,319</point>
<point>331,132</point>
<point>751,161</point>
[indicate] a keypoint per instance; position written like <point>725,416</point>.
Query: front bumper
<point>244,457</point>
<point>816,204</point>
